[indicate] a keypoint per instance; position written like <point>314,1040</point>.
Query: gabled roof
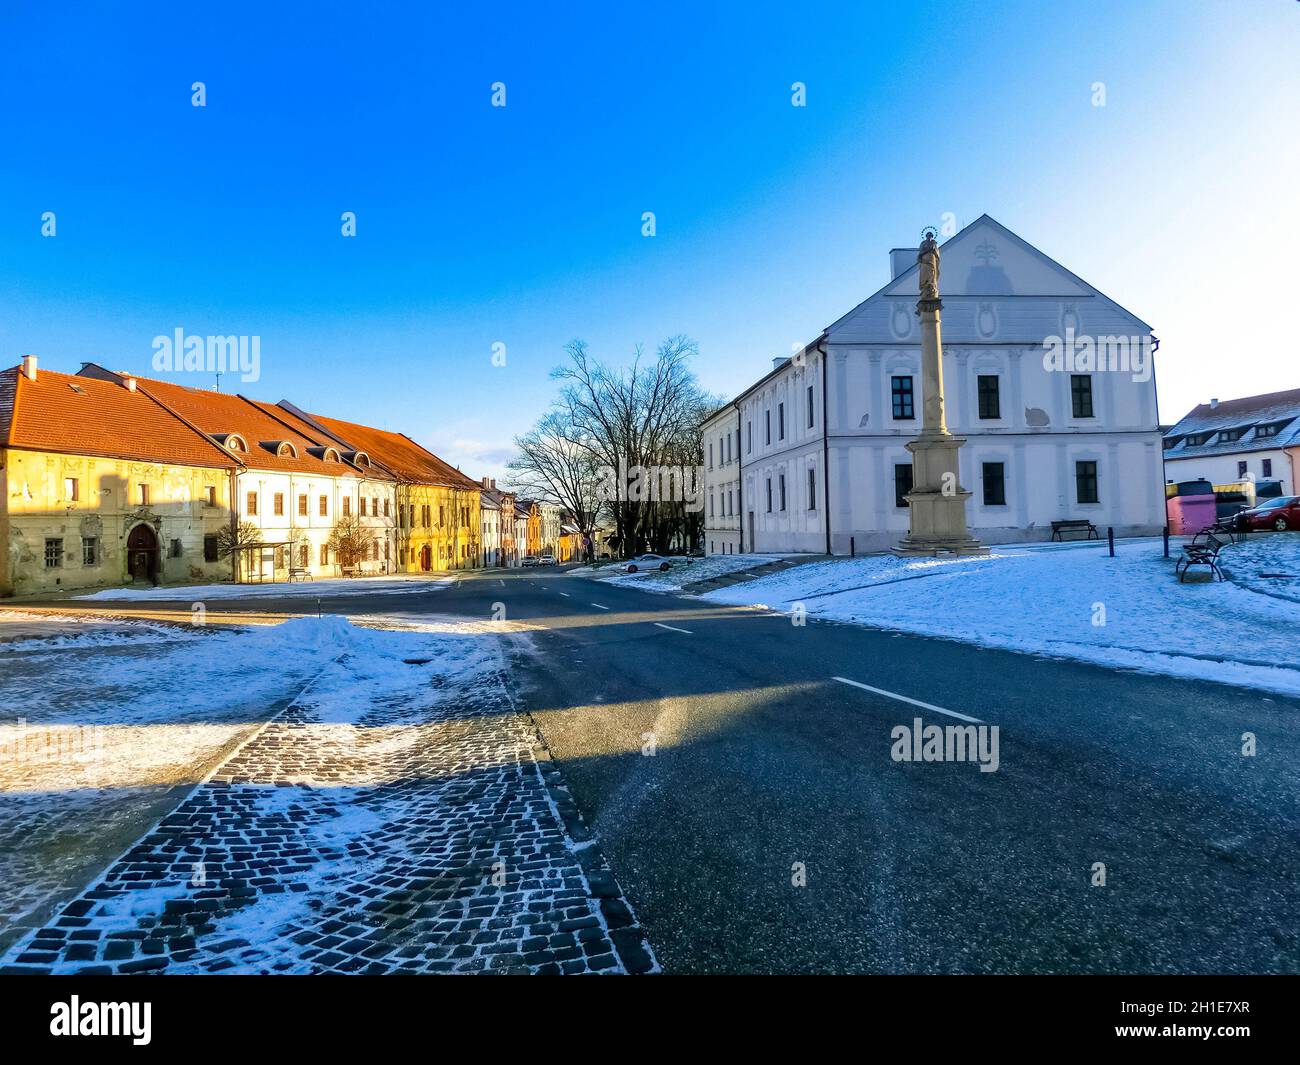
<point>76,415</point>
<point>1250,412</point>
<point>223,415</point>
<point>361,460</point>
<point>1052,282</point>
<point>396,452</point>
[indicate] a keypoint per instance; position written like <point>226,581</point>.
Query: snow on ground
<point>1073,602</point>
<point>1267,563</point>
<point>96,732</point>
<point>684,571</point>
<point>395,585</point>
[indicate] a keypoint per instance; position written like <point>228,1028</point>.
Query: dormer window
<point>1197,439</point>
<point>1228,436</point>
<point>1270,428</point>
<point>231,441</point>
<point>325,454</point>
<point>281,448</point>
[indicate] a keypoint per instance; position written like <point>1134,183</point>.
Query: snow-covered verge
<point>685,571</point>
<point>98,728</point>
<point>396,585</point>
<point>1267,562</point>
<point>1128,612</point>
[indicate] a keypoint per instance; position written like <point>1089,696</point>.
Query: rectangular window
<point>812,489</point>
<point>89,551</point>
<point>385,508</point>
<point>302,505</point>
<point>1081,395</point>
<point>990,400</point>
<point>442,516</point>
<point>1241,471</point>
<point>780,421</point>
<point>769,495</point>
<point>710,454</point>
<point>324,506</point>
<point>361,506</point>
<point>53,553</point>
<point>1266,466</point>
<point>901,391</point>
<point>144,495</point>
<point>177,549</point>
<point>749,429</point>
<point>374,506</point>
<point>211,491</point>
<point>324,554</point>
<point>210,547</point>
<point>781,478</point>
<point>810,407</point>
<point>250,504</point>
<point>902,482</point>
<point>710,504</point>
<point>767,427</point>
<point>347,506</point>
<point>995,491</point>
<point>71,489</point>
<point>1085,482</point>
<point>277,504</point>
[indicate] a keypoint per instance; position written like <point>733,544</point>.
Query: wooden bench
<point>296,574</point>
<point>1201,553</point>
<point>1082,525</point>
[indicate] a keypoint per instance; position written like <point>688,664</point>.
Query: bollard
<point>1166,532</point>
<point>1110,539</point>
<point>852,548</point>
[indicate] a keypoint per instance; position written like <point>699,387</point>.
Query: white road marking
<point>913,702</point>
<point>673,628</point>
<point>599,607</point>
<point>566,595</point>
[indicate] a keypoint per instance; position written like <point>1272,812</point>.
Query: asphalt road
<point>716,755</point>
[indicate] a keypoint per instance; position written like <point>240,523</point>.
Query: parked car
<point>547,559</point>
<point>1281,514</point>
<point>530,560</point>
<point>648,562</point>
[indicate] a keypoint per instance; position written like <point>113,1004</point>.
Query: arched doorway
<point>426,558</point>
<point>142,554</point>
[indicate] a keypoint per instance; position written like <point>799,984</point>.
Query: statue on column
<point>927,256</point>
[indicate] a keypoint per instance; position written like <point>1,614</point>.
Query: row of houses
<point>812,456</point>
<point>108,478</point>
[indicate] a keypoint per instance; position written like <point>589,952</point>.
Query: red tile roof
<point>83,416</point>
<point>223,414</point>
<point>396,452</point>
<point>323,437</point>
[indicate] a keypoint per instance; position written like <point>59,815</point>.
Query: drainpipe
<point>234,523</point>
<point>826,447</point>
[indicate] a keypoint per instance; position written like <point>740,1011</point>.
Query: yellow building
<point>102,485</point>
<point>438,518</point>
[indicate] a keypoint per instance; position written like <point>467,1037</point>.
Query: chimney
<point>487,482</point>
<point>29,367</point>
<point>900,261</point>
<point>128,383</point>
<point>1214,403</point>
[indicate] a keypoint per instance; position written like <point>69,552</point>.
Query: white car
<point>647,563</point>
<point>546,560</point>
<point>530,561</point>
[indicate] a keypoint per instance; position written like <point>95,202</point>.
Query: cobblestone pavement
<point>424,832</point>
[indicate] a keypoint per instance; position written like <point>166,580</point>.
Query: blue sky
<point>522,225</point>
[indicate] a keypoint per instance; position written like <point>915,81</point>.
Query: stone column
<point>937,502</point>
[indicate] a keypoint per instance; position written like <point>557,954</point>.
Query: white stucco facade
<point>722,502</point>
<point>1047,446</point>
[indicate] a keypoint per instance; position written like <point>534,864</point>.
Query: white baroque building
<point>823,465</point>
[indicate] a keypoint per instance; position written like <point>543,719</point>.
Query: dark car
<point>1281,514</point>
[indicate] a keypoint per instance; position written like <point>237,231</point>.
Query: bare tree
<point>555,465</point>
<point>349,541</point>
<point>644,416</point>
<point>234,542</point>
